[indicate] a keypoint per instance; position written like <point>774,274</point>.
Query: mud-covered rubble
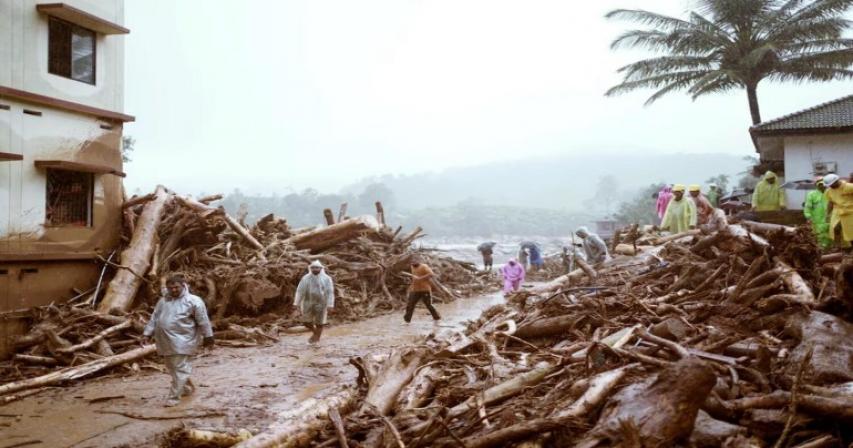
<point>246,277</point>
<point>732,338</point>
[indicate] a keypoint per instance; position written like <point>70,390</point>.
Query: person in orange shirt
<point>420,290</point>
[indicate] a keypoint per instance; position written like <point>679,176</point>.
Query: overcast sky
<point>275,95</point>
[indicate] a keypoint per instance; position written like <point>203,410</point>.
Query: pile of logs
<point>738,338</point>
<point>247,277</point>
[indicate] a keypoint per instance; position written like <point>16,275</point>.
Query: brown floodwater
<point>238,387</point>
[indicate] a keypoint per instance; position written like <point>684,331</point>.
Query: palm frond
<point>648,18</point>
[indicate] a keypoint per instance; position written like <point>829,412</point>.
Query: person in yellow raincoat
<point>814,210</point>
<point>680,214</point>
<point>768,195</point>
<point>839,195</point>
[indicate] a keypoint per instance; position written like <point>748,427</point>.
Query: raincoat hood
<point>769,175</point>
<point>582,232</point>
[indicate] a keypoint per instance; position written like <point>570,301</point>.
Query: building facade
<point>61,120</point>
<point>808,143</point>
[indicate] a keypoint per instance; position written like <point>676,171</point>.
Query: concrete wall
<point>23,54</point>
<point>802,151</point>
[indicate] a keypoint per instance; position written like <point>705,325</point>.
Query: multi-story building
<point>61,119</point>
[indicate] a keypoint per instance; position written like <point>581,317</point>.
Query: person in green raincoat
<point>713,195</point>
<point>680,215</point>
<point>815,209</point>
<point>768,195</point>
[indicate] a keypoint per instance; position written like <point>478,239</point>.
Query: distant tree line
<point>468,218</point>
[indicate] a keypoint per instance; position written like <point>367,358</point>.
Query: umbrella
<point>486,246</point>
<point>529,245</point>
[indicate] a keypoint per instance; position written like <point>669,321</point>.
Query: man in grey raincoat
<point>178,324</point>
<point>314,297</point>
<point>593,246</point>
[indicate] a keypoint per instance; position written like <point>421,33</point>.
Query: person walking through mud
<point>178,322</point>
<point>314,297</point>
<point>420,290</point>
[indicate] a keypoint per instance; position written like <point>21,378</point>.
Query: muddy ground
<point>239,387</point>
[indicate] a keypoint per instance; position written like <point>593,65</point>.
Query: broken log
<point>330,217</point>
<point>76,372</point>
<point>298,427</point>
<point>795,284</point>
<point>137,257</point>
<point>323,238</point>
<point>208,210</point>
<point>662,409</point>
<point>396,372</point>
<point>96,339</point>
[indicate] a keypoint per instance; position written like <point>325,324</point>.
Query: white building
<point>61,102</point>
<point>809,143</point>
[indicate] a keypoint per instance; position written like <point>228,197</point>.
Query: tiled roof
<point>831,115</point>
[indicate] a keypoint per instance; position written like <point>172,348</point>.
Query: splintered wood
<point>701,339</point>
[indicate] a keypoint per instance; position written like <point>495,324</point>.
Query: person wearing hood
<point>713,195</point>
<point>513,274</point>
<point>178,324</point>
<point>768,195</point>
<point>680,215</point>
<point>704,209</point>
<point>839,196</point>
<point>664,196</point>
<point>315,296</point>
<point>814,209</point>
<point>593,246</point>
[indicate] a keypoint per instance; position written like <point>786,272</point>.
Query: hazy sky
<point>273,95</point>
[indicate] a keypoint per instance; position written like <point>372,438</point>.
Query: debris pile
<point>246,276</point>
<point>737,338</point>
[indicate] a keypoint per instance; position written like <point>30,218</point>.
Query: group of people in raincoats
<point>681,208</point>
<point>829,209</point>
<point>591,248</point>
<point>179,323</point>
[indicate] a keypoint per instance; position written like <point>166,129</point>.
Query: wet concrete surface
<point>238,387</point>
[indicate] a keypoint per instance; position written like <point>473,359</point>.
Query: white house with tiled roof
<point>808,143</point>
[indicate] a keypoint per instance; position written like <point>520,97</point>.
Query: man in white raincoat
<point>593,245</point>
<point>178,324</point>
<point>314,297</point>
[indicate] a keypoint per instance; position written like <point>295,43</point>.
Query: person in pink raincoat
<point>664,196</point>
<point>513,273</point>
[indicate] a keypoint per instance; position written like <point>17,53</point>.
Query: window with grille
<point>71,51</point>
<point>69,198</point>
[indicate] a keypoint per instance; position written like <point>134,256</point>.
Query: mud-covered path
<point>239,387</point>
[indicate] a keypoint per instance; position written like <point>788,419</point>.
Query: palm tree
<point>728,44</point>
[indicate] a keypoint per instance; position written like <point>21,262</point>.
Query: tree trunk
<point>137,257</point>
<point>396,372</point>
<point>663,408</point>
<point>320,239</point>
<point>752,96</point>
<point>207,210</point>
<point>73,373</point>
<point>300,426</point>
